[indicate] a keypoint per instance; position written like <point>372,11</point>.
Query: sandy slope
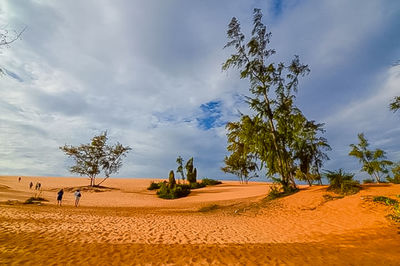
<point>131,225</point>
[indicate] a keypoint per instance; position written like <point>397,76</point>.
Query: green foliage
<point>210,182</point>
<point>197,185</point>
<point>396,174</point>
<point>386,200</point>
<point>191,172</point>
<point>278,135</point>
<point>179,161</point>
<point>154,185</point>
<point>177,191</point>
<point>278,191</point>
<point>171,179</point>
<point>342,183</point>
<point>239,162</point>
<point>396,213</point>
<point>395,104</point>
<point>92,158</point>
<point>368,181</point>
<point>373,162</point>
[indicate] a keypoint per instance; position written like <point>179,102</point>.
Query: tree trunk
<point>274,138</point>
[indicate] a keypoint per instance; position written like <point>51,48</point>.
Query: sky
<point>149,72</point>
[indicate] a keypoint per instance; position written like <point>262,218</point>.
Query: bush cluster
<point>342,182</point>
<point>210,182</point>
<point>394,180</point>
<point>395,216</point>
<point>154,185</point>
<point>167,191</point>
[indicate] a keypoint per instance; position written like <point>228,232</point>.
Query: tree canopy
<point>278,135</point>
<point>96,156</point>
<point>373,161</point>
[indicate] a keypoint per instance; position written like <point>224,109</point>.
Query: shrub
<point>33,200</point>
<point>396,213</point>
<point>177,191</point>
<point>171,179</point>
<point>197,185</point>
<point>210,182</point>
<point>277,191</point>
<point>385,200</point>
<point>394,180</point>
<point>342,182</point>
<point>368,181</point>
<point>154,185</point>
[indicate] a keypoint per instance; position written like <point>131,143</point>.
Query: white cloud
<point>143,69</point>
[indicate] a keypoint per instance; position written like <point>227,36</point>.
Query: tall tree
<point>373,161</point>
<point>96,156</point>
<point>179,161</point>
<point>395,104</point>
<point>271,134</point>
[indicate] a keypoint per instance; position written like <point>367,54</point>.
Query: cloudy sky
<point>149,72</point>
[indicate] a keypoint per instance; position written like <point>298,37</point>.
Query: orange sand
<point>228,224</point>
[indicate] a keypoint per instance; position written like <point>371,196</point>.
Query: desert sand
<point>230,224</point>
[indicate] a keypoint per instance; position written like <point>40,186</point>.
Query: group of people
<point>37,186</point>
<point>60,195</point>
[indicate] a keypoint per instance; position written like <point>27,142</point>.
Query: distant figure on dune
<point>19,179</point>
<point>30,185</point>
<point>59,196</point>
<point>77,197</point>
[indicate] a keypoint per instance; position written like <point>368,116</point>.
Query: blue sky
<point>149,72</point>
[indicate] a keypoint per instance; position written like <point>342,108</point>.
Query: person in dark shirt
<point>60,196</point>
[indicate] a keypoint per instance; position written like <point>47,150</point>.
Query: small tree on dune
<point>96,156</point>
<point>373,162</point>
<point>191,172</point>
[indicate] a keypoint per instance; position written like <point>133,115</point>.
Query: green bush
<point>342,182</point>
<point>210,182</point>
<point>394,180</point>
<point>385,200</point>
<point>396,213</point>
<point>368,181</point>
<point>173,192</point>
<point>171,179</point>
<point>154,185</point>
<point>277,191</point>
<point>197,185</point>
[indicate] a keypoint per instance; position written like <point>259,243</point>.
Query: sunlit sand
<point>225,224</point>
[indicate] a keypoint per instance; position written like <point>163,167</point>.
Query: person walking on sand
<point>59,196</point>
<point>19,179</point>
<point>30,185</point>
<point>77,197</point>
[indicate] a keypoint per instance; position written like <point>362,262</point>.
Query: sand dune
<point>227,224</point>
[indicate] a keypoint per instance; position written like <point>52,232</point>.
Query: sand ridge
<point>242,218</point>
